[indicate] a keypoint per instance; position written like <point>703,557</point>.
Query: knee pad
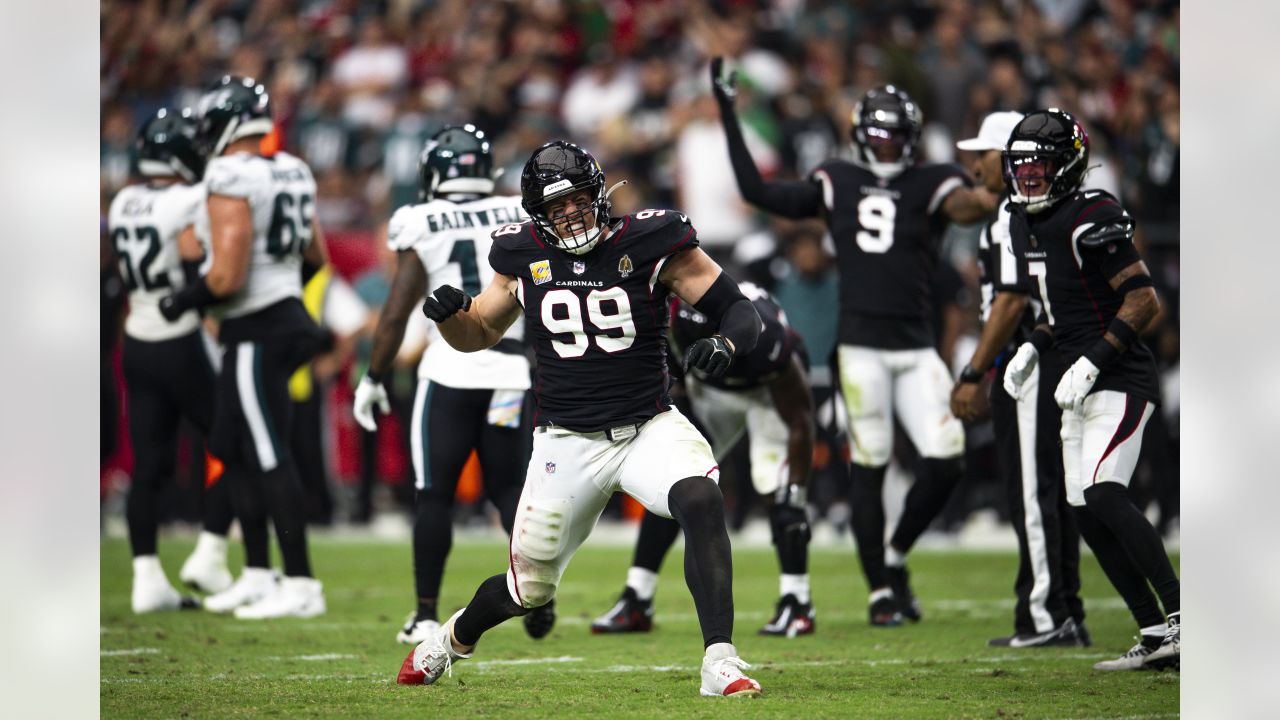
<point>789,525</point>
<point>694,496</point>
<point>871,442</point>
<point>530,585</point>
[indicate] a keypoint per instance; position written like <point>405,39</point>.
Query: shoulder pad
<point>230,175</point>
<point>511,231</point>
<point>1093,235</point>
<point>406,227</point>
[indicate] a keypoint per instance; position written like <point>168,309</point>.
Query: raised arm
<point>967,205</point>
<point>789,199</point>
<point>471,324</point>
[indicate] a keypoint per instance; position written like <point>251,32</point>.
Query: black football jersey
<point>597,322</point>
<point>886,233</point>
<point>999,270</point>
<point>777,344</point>
<point>1070,278</point>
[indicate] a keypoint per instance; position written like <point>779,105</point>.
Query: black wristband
<point>1102,353</point>
<point>970,376</point>
<point>1123,332</point>
<point>195,296</point>
<point>377,377</point>
<point>1041,340</point>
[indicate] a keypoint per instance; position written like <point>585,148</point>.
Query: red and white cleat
<point>722,674</point>
<point>432,657</point>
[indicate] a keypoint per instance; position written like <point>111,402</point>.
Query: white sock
<point>211,543</point>
<point>1155,630</point>
<point>893,558</point>
<point>719,651</point>
<point>146,568</point>
<point>797,585</point>
<point>644,582</point>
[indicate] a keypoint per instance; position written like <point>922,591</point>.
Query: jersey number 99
<point>572,324</point>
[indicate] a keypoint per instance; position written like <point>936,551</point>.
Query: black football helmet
<point>455,160</point>
<point>167,146</point>
<point>236,107</point>
<point>1046,159</point>
<point>886,127</point>
<point>555,170</point>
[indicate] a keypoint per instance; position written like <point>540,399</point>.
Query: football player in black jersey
<point>766,395</point>
<point>1096,297</point>
<point>1048,611</point>
<point>886,214</point>
<point>594,290</point>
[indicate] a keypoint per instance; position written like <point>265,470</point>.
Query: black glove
<point>711,355</point>
<point>725,89</point>
<point>447,301</point>
<point>171,308</point>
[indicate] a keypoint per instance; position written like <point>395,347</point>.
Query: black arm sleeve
<point>738,320</point>
<point>788,199</point>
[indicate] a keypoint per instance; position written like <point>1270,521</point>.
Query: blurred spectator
<point>369,74</point>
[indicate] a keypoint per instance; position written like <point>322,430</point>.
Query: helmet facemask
<point>577,231</point>
<point>1037,178</point>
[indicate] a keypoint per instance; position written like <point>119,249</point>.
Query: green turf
<point>343,665</point>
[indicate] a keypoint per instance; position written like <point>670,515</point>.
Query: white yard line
<point>130,651</point>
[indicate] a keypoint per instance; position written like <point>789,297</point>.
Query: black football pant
<point>308,455</point>
<point>166,381</point>
<point>253,423</point>
<point>448,424</point>
<point>1029,457</point>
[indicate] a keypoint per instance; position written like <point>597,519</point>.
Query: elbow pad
<point>737,318</point>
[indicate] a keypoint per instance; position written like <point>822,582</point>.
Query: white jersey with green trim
<point>281,193</point>
<point>144,223</point>
<point>452,240</point>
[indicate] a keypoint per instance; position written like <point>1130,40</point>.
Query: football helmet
<point>236,107</point>
<point>1046,159</point>
<point>886,127</point>
<point>167,146</point>
<point>555,170</point>
<point>457,159</point>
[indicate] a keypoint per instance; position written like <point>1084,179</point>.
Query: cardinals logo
<point>624,266</point>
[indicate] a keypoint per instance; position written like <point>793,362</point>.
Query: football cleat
<point>253,585</point>
<point>722,677</point>
<point>1068,634</point>
<point>432,657</point>
<point>206,567</point>
<point>1166,656</point>
<point>539,621</point>
<point>790,618</point>
<point>416,630</point>
<point>301,597</point>
<point>900,582</point>
<point>629,614</point>
<point>884,611</point>
<point>1135,659</point>
<point>154,597</point>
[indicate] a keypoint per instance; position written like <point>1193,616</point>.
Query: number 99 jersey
<point>597,322</point>
<point>144,224</point>
<point>452,240</point>
<point>281,194</point>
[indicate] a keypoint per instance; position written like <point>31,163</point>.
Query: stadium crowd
<point>358,86</point>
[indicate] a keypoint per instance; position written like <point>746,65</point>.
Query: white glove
<point>1020,367</point>
<point>1075,385</point>
<point>368,394</point>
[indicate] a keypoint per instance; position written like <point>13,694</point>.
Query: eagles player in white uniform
<point>262,238</point>
<point>168,366</point>
<point>464,401</point>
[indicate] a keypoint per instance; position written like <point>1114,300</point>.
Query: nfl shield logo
<point>579,267</point>
<point>551,468</point>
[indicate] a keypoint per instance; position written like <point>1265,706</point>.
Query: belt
<point>613,434</point>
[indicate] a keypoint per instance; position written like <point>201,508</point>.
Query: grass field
<point>343,665</point>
